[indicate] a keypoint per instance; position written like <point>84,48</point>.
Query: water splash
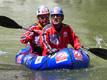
<point>1,52</point>
<point>99,42</point>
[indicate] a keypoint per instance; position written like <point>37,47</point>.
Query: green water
<point>88,18</point>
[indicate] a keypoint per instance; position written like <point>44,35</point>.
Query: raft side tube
<point>64,59</point>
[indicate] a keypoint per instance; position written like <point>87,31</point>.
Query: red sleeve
<point>29,36</point>
<point>74,41</point>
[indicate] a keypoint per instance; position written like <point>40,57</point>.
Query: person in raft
<point>33,37</point>
<point>57,35</point>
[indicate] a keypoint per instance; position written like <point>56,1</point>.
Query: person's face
<point>43,19</point>
<point>57,19</point>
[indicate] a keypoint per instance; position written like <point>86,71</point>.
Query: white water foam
<point>99,41</point>
<point>1,52</point>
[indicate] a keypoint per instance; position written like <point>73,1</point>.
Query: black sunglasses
<point>42,17</point>
<point>57,15</point>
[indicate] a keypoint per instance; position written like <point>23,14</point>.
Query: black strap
<point>46,63</point>
<point>71,58</point>
<point>31,62</point>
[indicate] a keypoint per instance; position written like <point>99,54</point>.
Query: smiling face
<point>57,19</point>
<point>43,19</point>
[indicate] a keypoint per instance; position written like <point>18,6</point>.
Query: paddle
<point>9,23</point>
<point>98,52</point>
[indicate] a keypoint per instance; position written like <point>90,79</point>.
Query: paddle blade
<point>9,23</point>
<point>99,52</point>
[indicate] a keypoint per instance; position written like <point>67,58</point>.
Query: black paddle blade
<point>99,52</point>
<point>9,23</point>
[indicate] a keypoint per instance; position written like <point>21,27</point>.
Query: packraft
<point>64,59</point>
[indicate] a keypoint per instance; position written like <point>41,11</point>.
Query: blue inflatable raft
<point>64,59</point>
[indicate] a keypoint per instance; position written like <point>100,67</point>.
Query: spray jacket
<point>30,37</point>
<point>50,38</point>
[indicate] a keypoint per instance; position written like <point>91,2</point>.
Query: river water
<point>88,18</point>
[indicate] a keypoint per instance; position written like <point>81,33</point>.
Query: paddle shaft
<point>28,29</point>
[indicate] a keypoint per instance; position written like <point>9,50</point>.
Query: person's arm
<point>29,36</point>
<point>74,41</point>
<point>44,40</point>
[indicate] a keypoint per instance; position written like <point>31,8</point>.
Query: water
<point>88,18</point>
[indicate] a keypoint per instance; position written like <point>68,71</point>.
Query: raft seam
<point>70,58</point>
<point>46,63</point>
